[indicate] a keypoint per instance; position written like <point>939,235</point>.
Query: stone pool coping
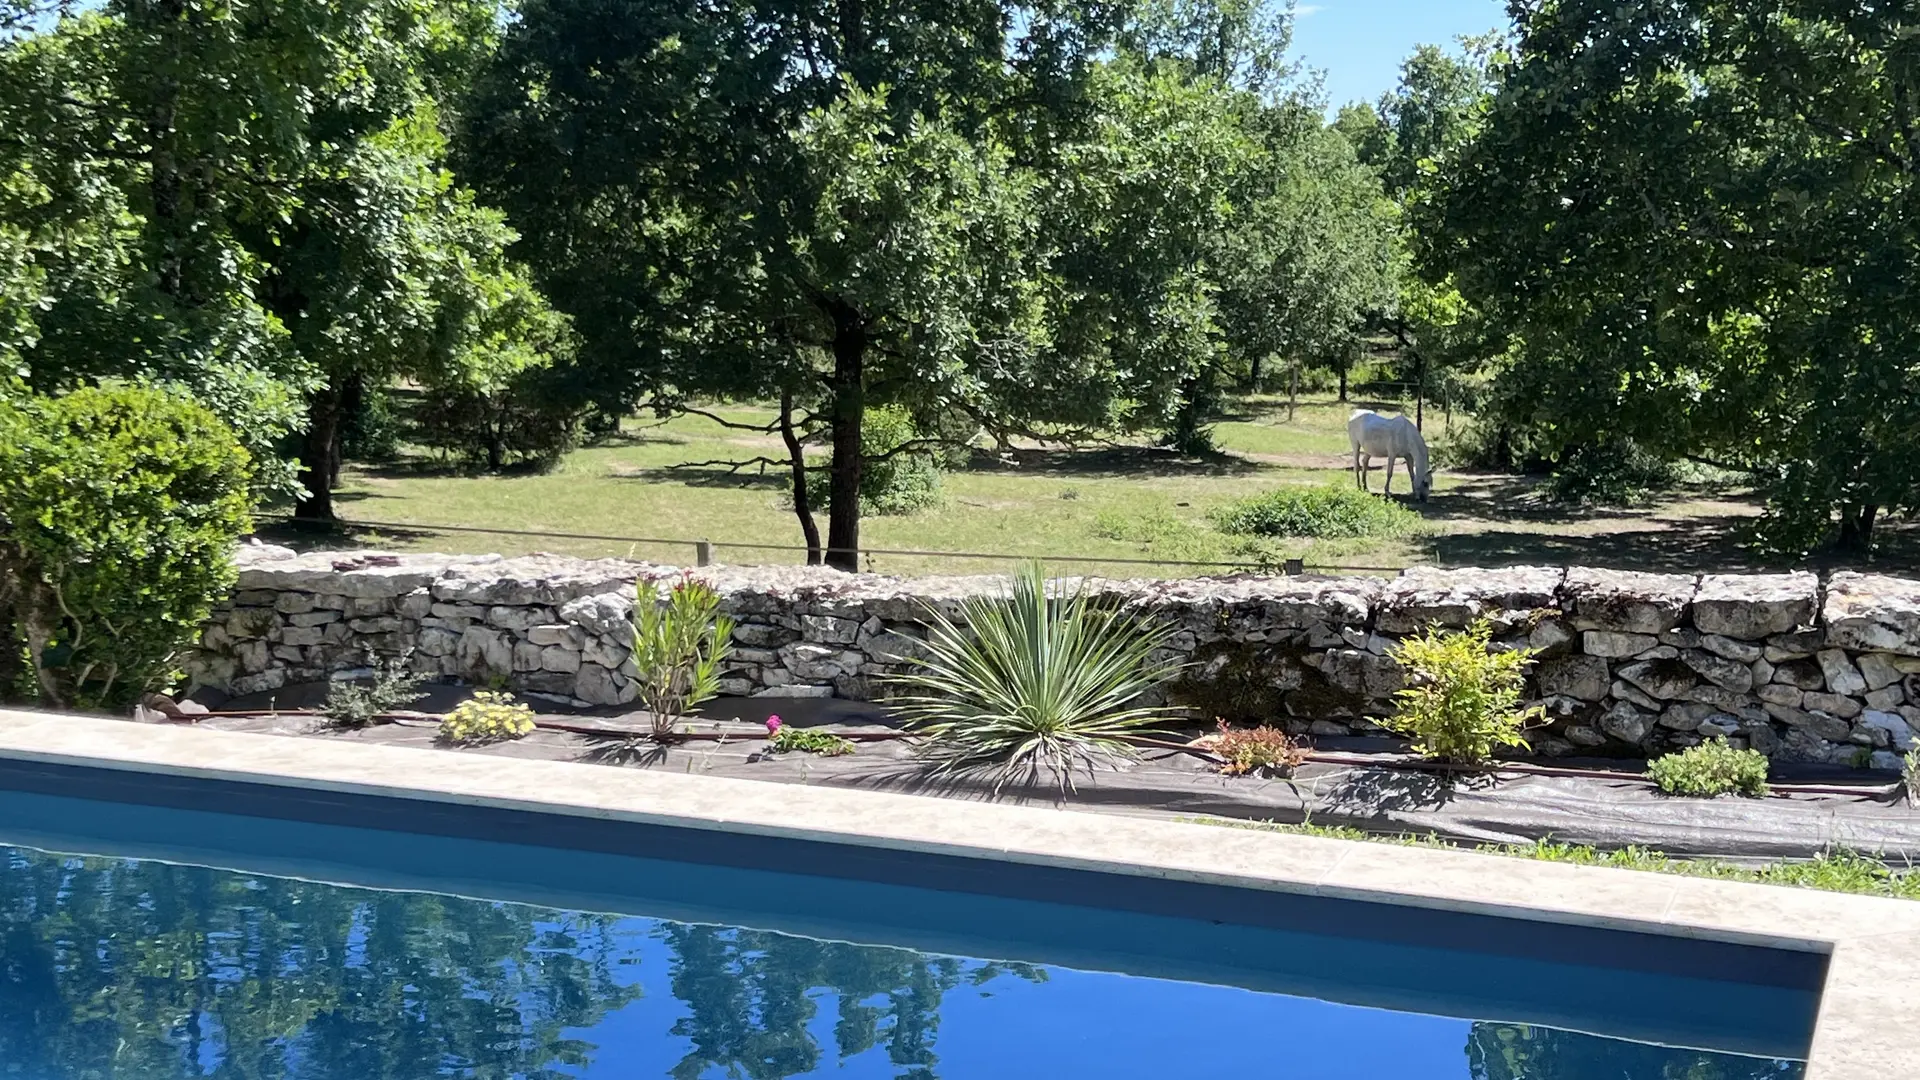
<point>1868,1027</point>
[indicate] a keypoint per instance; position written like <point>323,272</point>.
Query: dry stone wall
<point>1629,663</point>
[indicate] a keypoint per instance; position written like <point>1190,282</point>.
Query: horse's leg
<point>1388,490</point>
<point>1359,479</point>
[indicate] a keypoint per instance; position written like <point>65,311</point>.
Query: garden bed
<point>1366,788</point>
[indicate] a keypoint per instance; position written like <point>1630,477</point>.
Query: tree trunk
<point>1253,373</point>
<point>350,401</point>
<point>1293,389</point>
<point>848,386</point>
<point>1420,394</point>
<point>802,499</point>
<point>1343,382</point>
<point>1856,527</point>
<point>317,451</point>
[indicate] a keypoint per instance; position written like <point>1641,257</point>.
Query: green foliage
<point>680,647</point>
<point>373,429</point>
<point>1836,870</point>
<point>1709,769</point>
<point>119,509</point>
<point>1330,511</point>
<point>1028,682</point>
<point>892,481</point>
<point>1758,231</point>
<point>1612,471</point>
<point>810,741</point>
<point>1462,698</point>
<point>393,684</point>
<point>1261,751</point>
<point>1910,775</point>
<point>488,716</point>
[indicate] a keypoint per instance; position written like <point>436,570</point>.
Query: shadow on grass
<point>305,537</point>
<point>709,476</point>
<point>1114,462</point>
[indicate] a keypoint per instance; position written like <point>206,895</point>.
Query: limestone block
<point>1873,612</point>
<point>1626,601</point>
<point>1752,606</point>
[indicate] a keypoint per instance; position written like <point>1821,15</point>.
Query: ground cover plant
<point>1836,870</point>
<point>1259,751</point>
<point>1462,701</point>
<point>1047,679</point>
<point>489,716</point>
<point>1713,768</point>
<point>786,738</point>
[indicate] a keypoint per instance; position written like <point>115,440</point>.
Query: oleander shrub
<point>489,716</point>
<point>1048,678</point>
<point>1712,768</point>
<point>1462,698</point>
<point>1332,511</point>
<point>680,648</point>
<point>1263,750</point>
<point>119,509</point>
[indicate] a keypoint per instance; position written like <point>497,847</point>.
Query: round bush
<point>1330,512</point>
<point>902,484</point>
<point>119,508</point>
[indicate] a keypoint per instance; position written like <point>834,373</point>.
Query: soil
<point>1380,793</point>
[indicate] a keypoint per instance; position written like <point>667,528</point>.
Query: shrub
<point>351,705</point>
<point>1033,682</point>
<point>903,483</point>
<point>525,418</point>
<point>1462,699</point>
<point>489,716</point>
<point>1492,445</point>
<point>1613,471</point>
<point>1264,749</point>
<point>680,647</point>
<point>787,738</point>
<point>1910,775</point>
<point>1332,511</point>
<point>1712,768</point>
<point>119,509</point>
<point>371,432</point>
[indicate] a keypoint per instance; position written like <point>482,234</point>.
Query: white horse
<point>1390,437</point>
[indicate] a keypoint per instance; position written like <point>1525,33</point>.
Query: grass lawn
<point>1067,506</point>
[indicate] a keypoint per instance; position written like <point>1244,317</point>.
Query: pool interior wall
<point>1647,987</point>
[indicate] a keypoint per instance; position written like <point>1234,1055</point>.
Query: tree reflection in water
<point>118,970</point>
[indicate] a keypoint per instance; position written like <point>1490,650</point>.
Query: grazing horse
<point>1390,437</point>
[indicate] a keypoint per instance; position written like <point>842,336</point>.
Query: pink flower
<point>773,725</point>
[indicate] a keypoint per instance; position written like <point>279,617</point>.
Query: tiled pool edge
<point>1869,1022</point>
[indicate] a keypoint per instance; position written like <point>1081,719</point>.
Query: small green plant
<point>1263,750</point>
<point>680,647</point>
<point>489,716</point>
<point>1034,682</point>
<point>786,738</point>
<point>1462,701</point>
<point>1712,768</point>
<point>353,705</point>
<point>1910,775</point>
<point>1329,512</point>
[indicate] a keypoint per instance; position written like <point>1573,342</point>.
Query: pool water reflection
<point>133,970</point>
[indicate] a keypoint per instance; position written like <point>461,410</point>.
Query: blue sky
<point>1359,43</point>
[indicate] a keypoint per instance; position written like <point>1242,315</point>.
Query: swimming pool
<point>354,935</point>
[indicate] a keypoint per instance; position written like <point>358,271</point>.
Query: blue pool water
<point>756,959</point>
<point>124,968</point>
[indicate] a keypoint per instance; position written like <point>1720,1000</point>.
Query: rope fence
<point>703,549</point>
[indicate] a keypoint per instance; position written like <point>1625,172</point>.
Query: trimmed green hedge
<point>119,509</point>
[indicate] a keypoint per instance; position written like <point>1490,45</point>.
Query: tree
<point>1696,218</point>
<point>804,201</point>
<point>239,199</point>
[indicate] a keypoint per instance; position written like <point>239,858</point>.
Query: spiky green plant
<point>680,649</point>
<point>1027,682</point>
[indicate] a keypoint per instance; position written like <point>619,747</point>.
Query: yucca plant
<point>1032,683</point>
<point>680,649</point>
